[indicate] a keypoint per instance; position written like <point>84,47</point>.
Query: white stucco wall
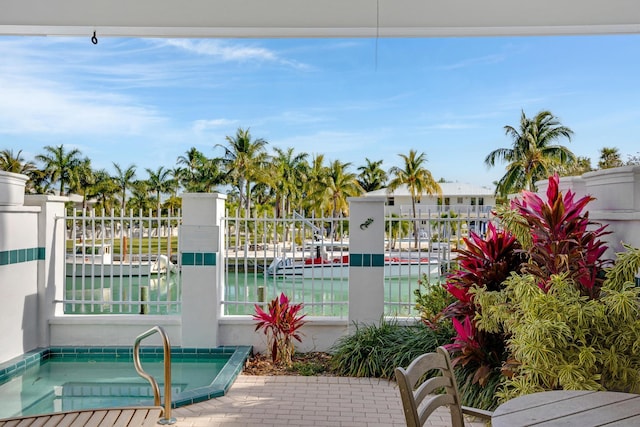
<point>18,282</point>
<point>617,202</point>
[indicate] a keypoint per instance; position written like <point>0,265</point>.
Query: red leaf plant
<point>564,239</point>
<point>280,323</point>
<point>486,262</point>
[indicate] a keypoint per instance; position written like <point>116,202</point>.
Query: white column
<point>366,259</point>
<point>202,267</point>
<point>51,260</point>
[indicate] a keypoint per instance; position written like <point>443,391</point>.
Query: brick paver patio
<point>274,401</point>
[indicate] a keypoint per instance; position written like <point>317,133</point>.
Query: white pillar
<point>202,264</point>
<point>51,260</point>
<point>366,260</point>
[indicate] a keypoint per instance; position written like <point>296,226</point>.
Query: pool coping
<point>219,387</point>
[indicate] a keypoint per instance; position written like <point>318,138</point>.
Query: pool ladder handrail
<point>167,372</point>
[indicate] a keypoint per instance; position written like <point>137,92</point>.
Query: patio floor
<point>273,401</point>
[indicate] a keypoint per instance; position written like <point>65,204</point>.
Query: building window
<point>460,201</point>
<point>480,201</point>
<point>473,201</point>
<point>390,201</point>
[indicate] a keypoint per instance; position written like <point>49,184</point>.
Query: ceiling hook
<point>94,39</point>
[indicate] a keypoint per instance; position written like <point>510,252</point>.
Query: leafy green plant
<point>376,350</point>
<point>561,339</point>
<point>560,240</point>
<point>280,323</point>
<point>307,369</point>
<point>431,300</point>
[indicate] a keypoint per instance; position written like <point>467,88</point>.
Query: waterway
<point>326,296</point>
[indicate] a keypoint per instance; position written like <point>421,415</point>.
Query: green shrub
<point>562,339</point>
<point>431,300</point>
<point>376,350</point>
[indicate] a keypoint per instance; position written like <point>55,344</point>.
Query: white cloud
<point>229,52</point>
<point>472,62</point>
<point>204,125</point>
<point>33,106</point>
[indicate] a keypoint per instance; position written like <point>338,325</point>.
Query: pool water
<point>70,381</point>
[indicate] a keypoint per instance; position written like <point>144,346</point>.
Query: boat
<point>96,260</point>
<point>323,267</point>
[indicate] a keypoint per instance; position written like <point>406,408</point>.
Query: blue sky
<point>147,101</point>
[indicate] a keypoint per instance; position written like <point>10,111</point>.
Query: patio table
<point>569,408</point>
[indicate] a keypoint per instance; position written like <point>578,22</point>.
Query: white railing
<point>303,258</point>
<point>253,248</point>
<point>423,210</point>
<point>121,264</point>
<point>306,258</point>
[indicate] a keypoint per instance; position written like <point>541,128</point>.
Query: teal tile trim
<point>198,258</point>
<point>366,260</point>
<point>16,256</point>
<point>237,356</point>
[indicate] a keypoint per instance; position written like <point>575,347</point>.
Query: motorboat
<point>323,267</point>
<point>96,260</point>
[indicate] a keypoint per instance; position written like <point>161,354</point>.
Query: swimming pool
<point>63,378</point>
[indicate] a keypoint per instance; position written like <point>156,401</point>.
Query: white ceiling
<point>317,18</point>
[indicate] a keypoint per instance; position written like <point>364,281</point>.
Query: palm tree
<point>288,178</point>
<point>317,175</point>
<point>609,158</point>
<point>124,178</point>
<point>339,184</point>
<point>104,190</point>
<point>245,159</point>
<point>372,177</point>
<point>15,163</point>
<point>207,177</point>
<point>533,155</point>
<point>159,182</point>
<point>83,180</point>
<point>418,180</point>
<point>578,167</point>
<point>191,162</point>
<point>139,199</point>
<point>59,165</point>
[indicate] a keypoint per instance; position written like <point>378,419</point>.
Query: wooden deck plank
<point>67,419</point>
<point>124,418</point>
<point>96,418</point>
<point>152,418</point>
<point>138,418</point>
<point>108,417</point>
<point>53,420</point>
<point>81,419</point>
<point>38,422</point>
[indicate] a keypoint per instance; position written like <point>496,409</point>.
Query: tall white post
<point>51,244</point>
<point>201,257</point>
<point>366,260</point>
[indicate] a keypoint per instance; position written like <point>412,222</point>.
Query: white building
<point>458,197</point>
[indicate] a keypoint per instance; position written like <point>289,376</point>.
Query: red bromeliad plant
<point>280,323</point>
<point>564,239</point>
